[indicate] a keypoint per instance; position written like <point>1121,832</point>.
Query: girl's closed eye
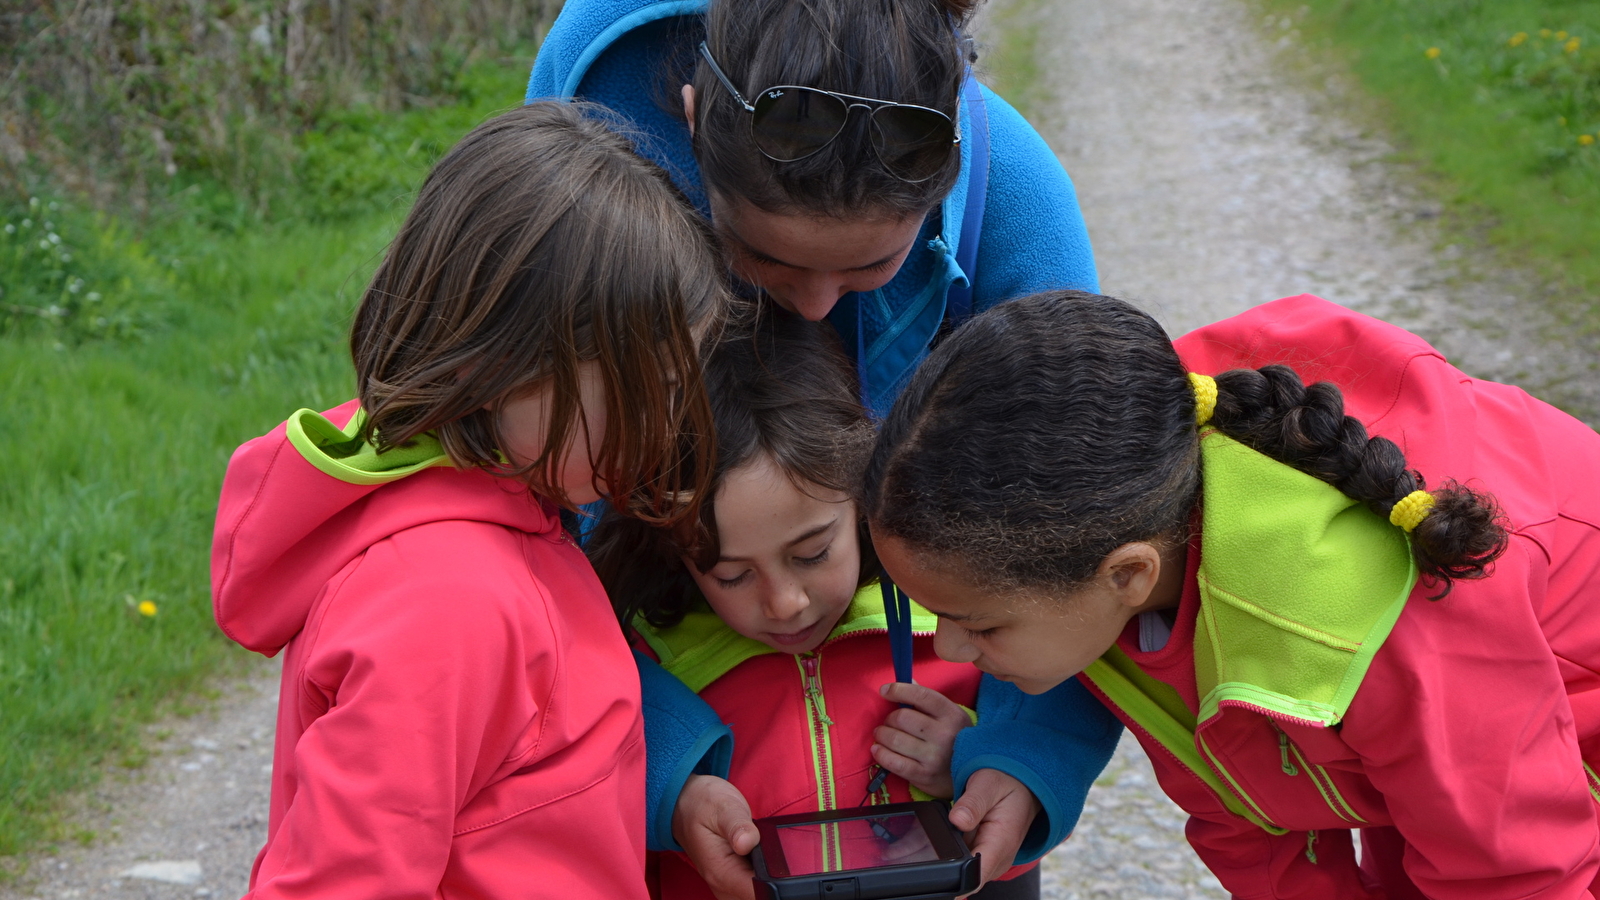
<point>733,582</point>
<point>816,560</point>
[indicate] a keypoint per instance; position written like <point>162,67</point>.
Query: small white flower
<point>54,206</point>
<point>33,202</point>
<point>44,244</point>
<point>49,225</point>
<point>27,223</point>
<point>66,257</point>
<point>10,228</point>
<point>54,238</point>
<point>92,296</point>
<point>74,287</point>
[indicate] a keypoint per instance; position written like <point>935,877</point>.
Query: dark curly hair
<point>784,390</point>
<point>1051,430</point>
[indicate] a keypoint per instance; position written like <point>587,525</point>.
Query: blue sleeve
<point>682,736</point>
<point>1056,743</point>
<point>1034,238</point>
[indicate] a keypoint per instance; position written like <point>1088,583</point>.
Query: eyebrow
<point>799,540</point>
<point>757,255</point>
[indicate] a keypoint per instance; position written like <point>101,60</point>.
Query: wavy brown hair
<point>539,242</point>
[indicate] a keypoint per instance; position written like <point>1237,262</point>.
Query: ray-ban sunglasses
<point>790,122</point>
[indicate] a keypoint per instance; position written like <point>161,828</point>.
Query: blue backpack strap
<point>897,608</point>
<point>958,300</point>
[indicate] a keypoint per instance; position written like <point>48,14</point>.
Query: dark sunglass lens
<point>792,123</point>
<point>914,143</point>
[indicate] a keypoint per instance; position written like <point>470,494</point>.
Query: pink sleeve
<point>416,690</point>
<point>1463,725</point>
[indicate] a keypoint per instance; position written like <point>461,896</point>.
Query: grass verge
<point>1501,103</point>
<point>122,409</point>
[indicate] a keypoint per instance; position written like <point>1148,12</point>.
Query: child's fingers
<point>925,699</point>
<point>913,722</point>
<point>907,745</point>
<point>906,767</point>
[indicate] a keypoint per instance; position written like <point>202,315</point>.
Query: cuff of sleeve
<point>711,754</point>
<point>1053,823</point>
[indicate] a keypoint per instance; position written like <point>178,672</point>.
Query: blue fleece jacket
<point>622,54</point>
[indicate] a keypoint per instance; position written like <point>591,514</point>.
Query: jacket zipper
<point>821,755</point>
<point>1319,776</point>
<point>1133,725</point>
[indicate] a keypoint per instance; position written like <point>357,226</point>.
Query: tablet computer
<point>896,851</point>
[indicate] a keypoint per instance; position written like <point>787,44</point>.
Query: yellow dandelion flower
<point>1544,32</point>
<point>1585,139</point>
<point>147,608</point>
<point>1432,53</point>
<point>1561,35</point>
<point>1573,45</point>
<point>1518,38</point>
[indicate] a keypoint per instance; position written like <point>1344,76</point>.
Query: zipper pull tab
<point>1289,768</point>
<point>814,689</point>
<point>1311,847</point>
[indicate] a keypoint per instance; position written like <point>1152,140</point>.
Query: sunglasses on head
<point>789,122</point>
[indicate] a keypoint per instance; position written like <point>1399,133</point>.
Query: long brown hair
<point>786,391</point>
<point>539,242</point>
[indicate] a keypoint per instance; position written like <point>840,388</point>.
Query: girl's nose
<point>785,601</point>
<point>814,297</point>
<point>950,642</point>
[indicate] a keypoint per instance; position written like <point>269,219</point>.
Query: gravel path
<point>1217,170</point>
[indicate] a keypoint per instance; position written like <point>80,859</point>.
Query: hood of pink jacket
<point>285,527</point>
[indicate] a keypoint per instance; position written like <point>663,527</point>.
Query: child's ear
<point>688,107</point>
<point>1131,572</point>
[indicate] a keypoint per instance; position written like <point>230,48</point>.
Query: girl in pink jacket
<point>1363,604</point>
<point>768,607</point>
<point>459,714</point>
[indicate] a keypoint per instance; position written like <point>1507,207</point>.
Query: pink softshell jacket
<point>1466,759</point>
<point>459,715</point>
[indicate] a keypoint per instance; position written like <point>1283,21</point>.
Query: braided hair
<point>1051,430</point>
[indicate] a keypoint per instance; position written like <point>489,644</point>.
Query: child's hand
<point>916,743</point>
<point>712,823</point>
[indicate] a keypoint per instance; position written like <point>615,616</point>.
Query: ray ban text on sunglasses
<point>790,122</point>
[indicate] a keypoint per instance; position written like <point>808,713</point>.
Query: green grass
<point>207,329</point>
<point>1500,101</point>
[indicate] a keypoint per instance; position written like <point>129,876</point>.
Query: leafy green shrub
<point>74,276</point>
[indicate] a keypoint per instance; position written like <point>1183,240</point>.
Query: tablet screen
<point>869,842</point>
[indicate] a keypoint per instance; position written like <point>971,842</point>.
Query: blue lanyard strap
<point>897,609</point>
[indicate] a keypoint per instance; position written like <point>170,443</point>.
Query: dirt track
<point>1216,172</point>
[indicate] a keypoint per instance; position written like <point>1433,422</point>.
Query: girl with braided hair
<point>1330,582</point>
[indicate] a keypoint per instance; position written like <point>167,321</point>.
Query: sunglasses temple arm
<point>722,77</point>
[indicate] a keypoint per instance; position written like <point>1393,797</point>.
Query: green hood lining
<point>342,454</point>
<point>702,648</point>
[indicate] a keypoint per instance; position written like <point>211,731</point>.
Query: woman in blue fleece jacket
<point>890,235</point>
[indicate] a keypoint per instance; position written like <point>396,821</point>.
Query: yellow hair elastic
<point>1411,510</point>
<point>1205,397</point>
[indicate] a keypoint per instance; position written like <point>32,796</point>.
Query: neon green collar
<point>702,648</point>
<point>342,454</point>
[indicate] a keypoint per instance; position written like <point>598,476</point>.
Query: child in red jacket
<point>1315,622</point>
<point>459,714</point>
<point>768,607</point>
